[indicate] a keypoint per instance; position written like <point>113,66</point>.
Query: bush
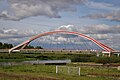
<point>105,60</point>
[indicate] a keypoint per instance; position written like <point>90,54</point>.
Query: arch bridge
<point>25,43</point>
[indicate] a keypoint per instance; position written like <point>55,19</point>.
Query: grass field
<point>73,56</point>
<point>47,72</point>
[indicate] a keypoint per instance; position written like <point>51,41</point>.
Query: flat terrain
<point>47,72</point>
<point>89,69</point>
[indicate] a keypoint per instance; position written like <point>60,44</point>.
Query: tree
<point>38,47</point>
<point>5,45</point>
<point>29,47</point>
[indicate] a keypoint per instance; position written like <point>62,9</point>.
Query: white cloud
<point>20,9</point>
<point>67,27</point>
<point>113,16</point>
<point>100,29</point>
<point>100,5</point>
<point>61,39</point>
<point>96,4</point>
<point>10,31</point>
<point>5,15</point>
<point>14,34</point>
<point>112,11</point>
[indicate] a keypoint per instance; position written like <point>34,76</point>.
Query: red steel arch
<point>103,46</point>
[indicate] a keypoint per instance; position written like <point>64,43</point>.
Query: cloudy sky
<point>100,19</point>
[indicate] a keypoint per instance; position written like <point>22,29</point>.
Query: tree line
<point>8,46</point>
<point>5,45</point>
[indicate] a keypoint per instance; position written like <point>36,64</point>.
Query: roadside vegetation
<point>17,57</point>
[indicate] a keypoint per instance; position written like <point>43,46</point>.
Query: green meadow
<point>23,72</point>
<point>48,72</point>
